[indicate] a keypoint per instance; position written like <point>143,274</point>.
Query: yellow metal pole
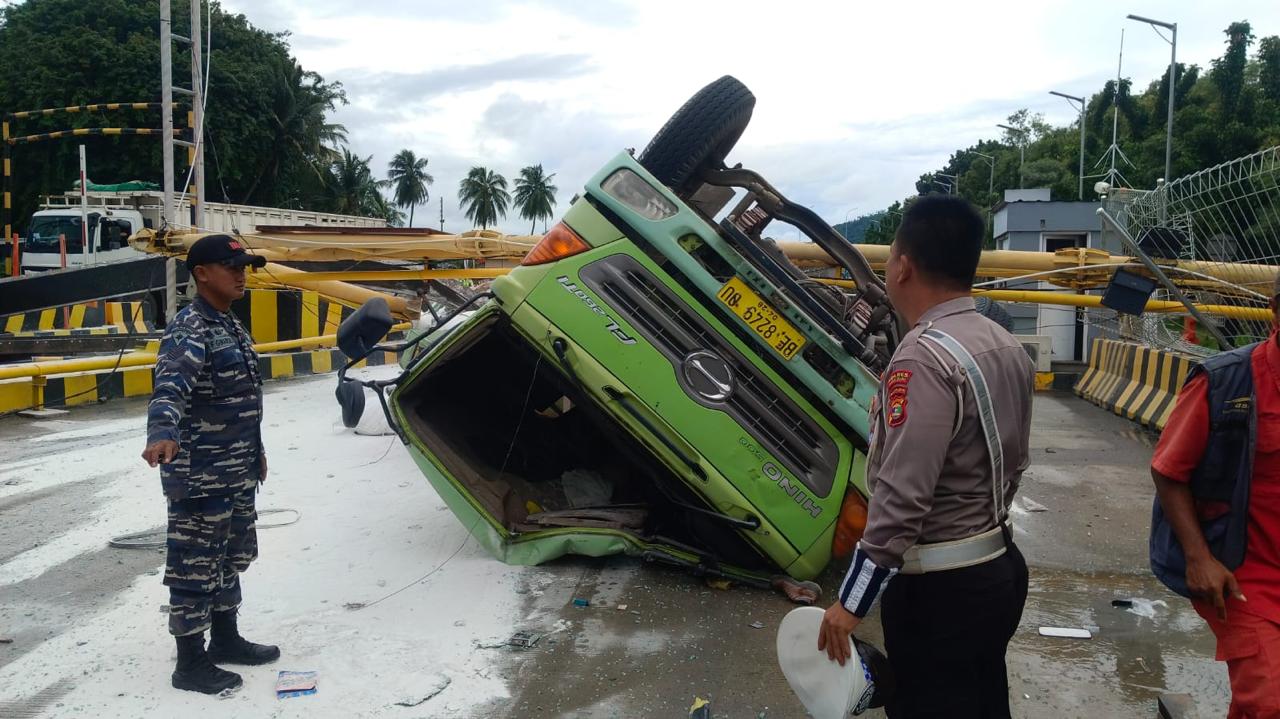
<point>40,370</point>
<point>1261,314</point>
<point>388,275</point>
<point>1011,263</point>
<point>352,294</point>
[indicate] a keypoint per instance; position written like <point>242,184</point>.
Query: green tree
<point>268,135</point>
<point>881,231</point>
<point>1269,67</point>
<point>484,198</point>
<point>353,187</point>
<point>301,138</point>
<point>409,178</point>
<point>535,196</point>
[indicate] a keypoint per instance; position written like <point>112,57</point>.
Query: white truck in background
<point>113,217</point>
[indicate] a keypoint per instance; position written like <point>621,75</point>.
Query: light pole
<point>1021,133</point>
<point>846,221</point>
<point>991,177</point>
<point>952,186</point>
<point>1073,99</point>
<point>1173,68</point>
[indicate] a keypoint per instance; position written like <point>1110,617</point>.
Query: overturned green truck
<point>656,378</point>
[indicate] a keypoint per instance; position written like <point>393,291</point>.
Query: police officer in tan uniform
<point>949,444</point>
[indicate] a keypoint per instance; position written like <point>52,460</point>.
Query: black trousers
<point>946,634</point>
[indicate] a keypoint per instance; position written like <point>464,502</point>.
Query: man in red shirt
<point>1241,607</point>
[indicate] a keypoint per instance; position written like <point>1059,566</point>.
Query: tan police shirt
<point>926,484</point>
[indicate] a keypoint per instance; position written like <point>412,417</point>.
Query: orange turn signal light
<point>560,242</point>
<point>851,525</point>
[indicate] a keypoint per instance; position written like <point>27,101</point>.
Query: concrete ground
<point>377,587</point>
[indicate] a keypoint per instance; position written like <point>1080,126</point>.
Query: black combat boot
<point>226,646</point>
<point>196,673</point>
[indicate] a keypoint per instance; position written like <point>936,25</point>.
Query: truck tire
<point>700,134</point>
<point>994,312</point>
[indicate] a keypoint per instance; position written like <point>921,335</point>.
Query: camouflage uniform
<point>208,399</point>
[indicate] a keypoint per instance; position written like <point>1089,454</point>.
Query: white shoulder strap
<point>986,412</point>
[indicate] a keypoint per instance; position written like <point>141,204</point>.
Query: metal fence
<point>1226,220</point>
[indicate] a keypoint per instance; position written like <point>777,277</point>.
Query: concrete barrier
<point>279,315</point>
<point>124,317</point>
<point>1134,381</point>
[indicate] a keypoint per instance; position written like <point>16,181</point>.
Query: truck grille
<point>768,415</point>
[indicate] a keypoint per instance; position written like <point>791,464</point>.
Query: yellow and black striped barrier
<point>81,388</point>
<point>96,107</point>
<point>280,315</point>
<point>125,317</point>
<point>1134,381</point>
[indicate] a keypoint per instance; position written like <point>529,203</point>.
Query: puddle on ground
<point>1136,653</point>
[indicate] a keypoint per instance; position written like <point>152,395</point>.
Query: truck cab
<point>55,237</point>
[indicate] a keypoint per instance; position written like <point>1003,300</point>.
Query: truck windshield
<point>43,236</point>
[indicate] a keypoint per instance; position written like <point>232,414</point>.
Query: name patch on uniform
<point>896,397</point>
<point>220,341</point>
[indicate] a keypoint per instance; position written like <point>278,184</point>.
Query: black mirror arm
<point>379,385</point>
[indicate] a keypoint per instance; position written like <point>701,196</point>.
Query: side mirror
<point>365,328</point>
<point>350,394</point>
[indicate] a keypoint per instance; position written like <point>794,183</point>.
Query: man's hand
<point>1209,579</point>
<point>834,635</point>
<point>262,468</point>
<point>161,452</point>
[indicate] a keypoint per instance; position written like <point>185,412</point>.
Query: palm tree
<point>301,134</point>
<point>535,195</point>
<point>483,194</point>
<point>409,179</point>
<point>354,191</point>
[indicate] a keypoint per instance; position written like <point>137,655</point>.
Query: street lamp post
<point>1022,147</point>
<point>846,221</point>
<point>1173,68</point>
<point>991,176</point>
<point>1083,102</point>
<point>951,186</point>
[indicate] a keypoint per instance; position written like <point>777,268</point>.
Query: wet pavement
<point>1081,520</point>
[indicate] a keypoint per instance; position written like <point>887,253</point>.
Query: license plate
<point>763,319</point>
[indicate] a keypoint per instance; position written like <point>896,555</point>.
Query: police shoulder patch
<point>896,397</point>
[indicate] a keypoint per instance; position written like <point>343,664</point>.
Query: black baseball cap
<point>221,248</point>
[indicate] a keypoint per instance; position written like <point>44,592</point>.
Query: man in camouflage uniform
<point>204,430</point>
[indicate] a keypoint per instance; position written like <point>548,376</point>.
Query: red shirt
<point>1182,445</point>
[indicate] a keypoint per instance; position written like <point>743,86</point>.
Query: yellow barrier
<point>60,383</point>
<point>1134,381</point>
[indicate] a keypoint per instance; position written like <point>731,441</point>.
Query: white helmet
<point>828,690</point>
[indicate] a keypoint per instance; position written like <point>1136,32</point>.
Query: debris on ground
<point>1032,505</point>
<point>353,606</point>
<point>805,593</point>
<point>581,603</point>
<point>701,709</point>
<point>438,684</point>
<point>524,639</point>
<point>6,640</point>
<point>756,625</point>
<point>1146,608</point>
<point>1122,603</point>
<point>718,583</point>
<point>622,607</point>
<point>1066,632</point>
<point>296,684</point>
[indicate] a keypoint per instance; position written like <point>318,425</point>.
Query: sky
<point>853,100</point>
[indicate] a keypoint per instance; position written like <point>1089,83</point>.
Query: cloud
<point>416,87</point>
<point>854,100</point>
